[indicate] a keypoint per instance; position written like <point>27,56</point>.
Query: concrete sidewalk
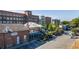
<point>61,42</point>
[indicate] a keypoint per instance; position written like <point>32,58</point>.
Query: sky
<point>56,14</point>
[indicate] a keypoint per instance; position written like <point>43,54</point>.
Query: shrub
<point>75,30</point>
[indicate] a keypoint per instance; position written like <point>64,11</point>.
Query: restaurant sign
<point>14,34</point>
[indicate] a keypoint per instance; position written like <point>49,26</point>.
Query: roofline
<point>12,12</point>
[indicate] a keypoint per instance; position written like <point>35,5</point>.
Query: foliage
<point>46,26</point>
<point>65,22</point>
<point>75,22</point>
<point>51,27</point>
<point>49,33</point>
<point>75,30</point>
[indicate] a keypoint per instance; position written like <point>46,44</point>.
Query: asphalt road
<point>61,42</point>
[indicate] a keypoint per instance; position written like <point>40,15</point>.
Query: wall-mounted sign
<point>14,34</point>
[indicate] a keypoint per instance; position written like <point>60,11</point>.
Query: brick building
<point>12,34</point>
<point>47,20</point>
<point>32,18</point>
<point>8,17</point>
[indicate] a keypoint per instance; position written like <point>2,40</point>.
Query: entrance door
<point>18,40</point>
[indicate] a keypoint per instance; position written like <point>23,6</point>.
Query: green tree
<point>75,22</point>
<point>46,26</point>
<point>51,27</point>
<point>65,22</point>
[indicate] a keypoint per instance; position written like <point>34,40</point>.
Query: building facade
<point>12,35</point>
<point>47,20</point>
<point>56,21</point>
<point>42,20</point>
<point>7,17</point>
<point>32,18</point>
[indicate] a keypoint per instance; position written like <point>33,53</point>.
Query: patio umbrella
<point>32,25</point>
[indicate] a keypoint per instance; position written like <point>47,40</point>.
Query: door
<point>25,37</point>
<point>18,40</point>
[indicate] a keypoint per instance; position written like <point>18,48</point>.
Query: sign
<point>14,34</point>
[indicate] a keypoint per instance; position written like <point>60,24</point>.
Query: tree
<point>75,22</point>
<point>51,27</point>
<point>46,26</point>
<point>65,22</point>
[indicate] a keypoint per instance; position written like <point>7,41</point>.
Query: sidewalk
<point>61,42</point>
<point>75,44</point>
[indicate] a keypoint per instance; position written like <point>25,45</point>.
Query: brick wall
<point>21,34</point>
<point>1,41</point>
<point>7,40</point>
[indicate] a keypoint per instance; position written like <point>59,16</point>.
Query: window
<point>4,22</point>
<point>7,18</point>
<point>0,22</point>
<point>21,18</point>
<point>16,18</point>
<point>25,37</point>
<point>18,40</point>
<point>4,17</point>
<point>8,22</point>
<point>0,17</point>
<point>13,21</point>
<point>10,18</point>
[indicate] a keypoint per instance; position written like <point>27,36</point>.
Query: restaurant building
<point>12,35</point>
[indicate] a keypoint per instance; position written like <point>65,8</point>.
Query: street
<point>61,42</point>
